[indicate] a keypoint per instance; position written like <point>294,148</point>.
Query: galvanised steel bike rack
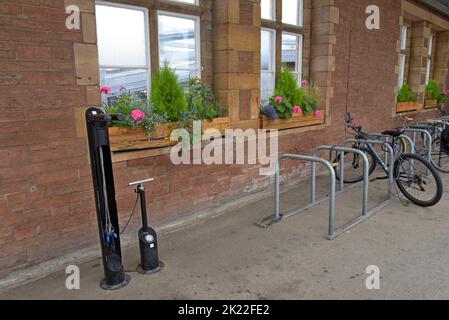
<point>332,234</point>
<point>414,129</point>
<point>386,138</point>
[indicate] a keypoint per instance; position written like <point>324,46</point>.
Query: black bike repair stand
<point>103,181</point>
<point>149,256</point>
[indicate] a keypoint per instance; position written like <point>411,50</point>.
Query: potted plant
<point>406,100</point>
<point>149,122</point>
<point>203,106</point>
<point>433,95</point>
<point>292,106</point>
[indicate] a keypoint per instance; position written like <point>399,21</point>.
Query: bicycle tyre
<point>372,167</point>
<point>439,184</point>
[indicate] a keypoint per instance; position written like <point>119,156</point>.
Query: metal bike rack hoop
<point>278,217</point>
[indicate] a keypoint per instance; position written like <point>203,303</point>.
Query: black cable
<point>133,212</point>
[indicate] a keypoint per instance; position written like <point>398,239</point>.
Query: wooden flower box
<point>297,121</point>
<point>407,106</point>
<point>220,124</point>
<point>430,104</point>
<point>126,139</point>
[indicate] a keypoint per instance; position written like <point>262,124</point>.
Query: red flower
<point>106,90</point>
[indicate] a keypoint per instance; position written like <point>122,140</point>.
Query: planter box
<point>126,139</point>
<point>407,106</point>
<point>220,124</point>
<point>298,121</point>
<point>430,104</point>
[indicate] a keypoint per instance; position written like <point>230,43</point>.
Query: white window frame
<point>429,58</point>
<point>402,56</point>
<point>196,3</point>
<point>147,39</point>
<point>300,45</point>
<point>272,68</point>
<point>300,21</point>
<point>273,11</point>
<point>197,20</point>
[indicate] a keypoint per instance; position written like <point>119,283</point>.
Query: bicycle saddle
<point>393,133</point>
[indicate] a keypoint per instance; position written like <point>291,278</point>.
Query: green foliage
<point>201,101</point>
<point>283,106</point>
<point>167,95</point>
<point>406,94</point>
<point>433,91</point>
<point>311,99</point>
<point>288,87</point>
<point>126,102</point>
<point>443,99</point>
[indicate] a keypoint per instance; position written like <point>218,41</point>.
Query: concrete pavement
<point>228,257</point>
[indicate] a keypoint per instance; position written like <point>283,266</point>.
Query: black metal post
<point>103,183</point>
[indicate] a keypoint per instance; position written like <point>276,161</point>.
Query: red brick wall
<point>46,200</point>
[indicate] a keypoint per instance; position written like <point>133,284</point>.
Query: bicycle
<point>416,178</point>
<point>440,152</point>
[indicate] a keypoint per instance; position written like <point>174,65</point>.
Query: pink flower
<point>278,99</point>
<point>297,109</point>
<point>105,90</point>
<point>137,115</point>
<point>304,83</point>
<point>318,113</point>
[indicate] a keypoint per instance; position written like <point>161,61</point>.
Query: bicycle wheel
<point>440,158</point>
<point>354,165</point>
<point>418,180</point>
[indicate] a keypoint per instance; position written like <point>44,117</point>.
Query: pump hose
<point>133,212</point>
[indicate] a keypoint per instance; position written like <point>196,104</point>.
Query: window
<point>179,44</point>
<point>284,37</point>
<point>268,63</point>
<point>292,53</point>
<point>123,47</point>
<point>268,9</point>
<point>429,59</point>
<point>402,56</point>
<point>292,12</point>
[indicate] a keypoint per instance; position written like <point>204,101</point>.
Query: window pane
<point>177,42</point>
<point>430,45</point>
<point>186,1</point>
<point>290,51</point>
<point>404,38</point>
<point>401,70</point>
<point>292,12</point>
<point>267,46</point>
<point>429,63</point>
<point>121,36</point>
<point>267,85</point>
<point>135,80</point>
<point>267,9</point>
